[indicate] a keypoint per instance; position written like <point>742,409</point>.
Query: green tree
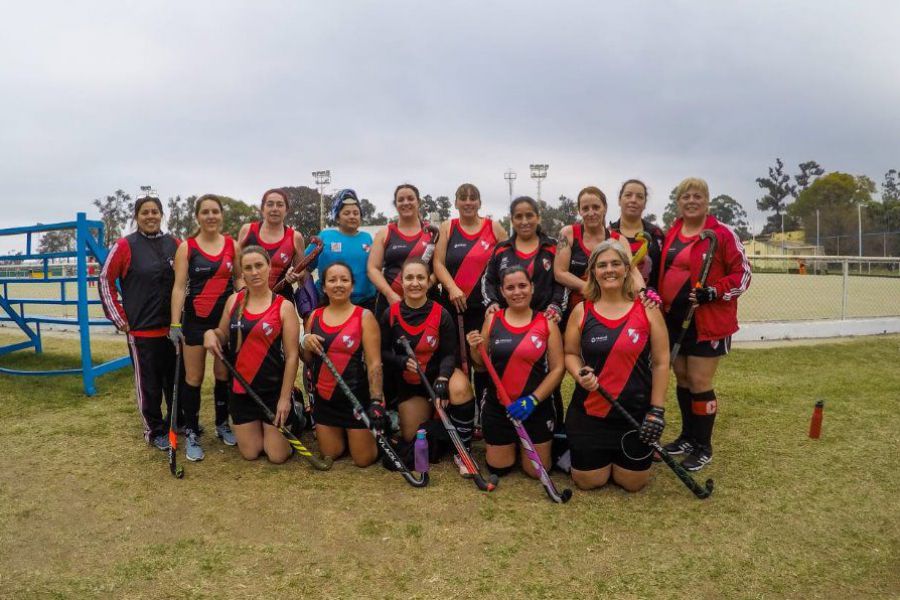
<point>671,211</point>
<point>809,171</point>
<point>729,211</point>
<point>180,220</point>
<point>116,214</point>
<point>439,205</point>
<point>778,188</point>
<point>368,214</point>
<point>235,213</point>
<point>836,196</point>
<point>890,189</point>
<point>60,240</point>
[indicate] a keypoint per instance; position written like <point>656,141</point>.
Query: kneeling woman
<point>430,330</point>
<point>614,341</point>
<point>349,335</point>
<point>261,329</point>
<point>526,350</point>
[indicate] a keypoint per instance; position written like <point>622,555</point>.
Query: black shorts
<point>498,430</point>
<point>244,409</point>
<point>406,390</point>
<point>690,346</point>
<point>194,327</point>
<point>595,443</point>
<point>337,413</point>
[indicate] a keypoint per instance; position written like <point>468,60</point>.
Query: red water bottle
<point>815,425</point>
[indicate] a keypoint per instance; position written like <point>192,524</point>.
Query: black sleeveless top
<point>260,358</point>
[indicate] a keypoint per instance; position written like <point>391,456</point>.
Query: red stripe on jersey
<point>346,341</point>
<point>216,285</point>
<point>528,352</point>
<point>281,253</point>
<point>421,240</point>
<point>428,333</point>
<point>256,344</point>
<point>471,270</point>
<point>616,371</point>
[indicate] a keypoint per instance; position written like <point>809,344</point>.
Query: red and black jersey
<point>649,267</point>
<point>676,285</point>
<point>579,259</point>
<point>344,346</point>
<point>260,358</point>
<point>468,255</point>
<point>281,253</point>
<point>538,264</point>
<point>398,248</point>
<point>519,354</point>
<point>619,352</point>
<point>209,280</point>
<point>431,333</point>
<point>144,265</point>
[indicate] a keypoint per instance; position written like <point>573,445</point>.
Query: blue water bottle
<point>420,451</point>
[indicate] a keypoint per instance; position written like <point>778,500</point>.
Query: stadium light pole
<point>782,234</point>
<point>510,177</point>
<point>817,232</point>
<point>859,222</point>
<point>538,173</point>
<point>322,178</point>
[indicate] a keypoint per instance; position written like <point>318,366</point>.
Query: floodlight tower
<point>147,190</point>
<point>323,178</point>
<point>510,177</point>
<point>538,173</point>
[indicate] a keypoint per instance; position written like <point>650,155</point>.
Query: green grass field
<point>771,297</point>
<point>88,510</point>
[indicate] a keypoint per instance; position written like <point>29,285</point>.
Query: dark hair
<point>512,271</point>
<point>142,201</point>
<point>199,203</point>
<point>254,249</point>
<point>338,263</point>
<point>534,206</point>
<point>280,192</point>
<point>467,190</point>
<point>415,261</point>
<point>409,186</point>
<point>637,181</point>
<point>591,190</point>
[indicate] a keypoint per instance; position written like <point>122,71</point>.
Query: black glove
<point>376,415</point>
<point>441,389</point>
<point>705,295</point>
<point>653,425</point>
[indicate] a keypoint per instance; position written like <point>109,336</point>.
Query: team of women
<point>604,303</point>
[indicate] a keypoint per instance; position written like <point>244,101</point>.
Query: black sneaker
<point>679,446</point>
<point>697,459</point>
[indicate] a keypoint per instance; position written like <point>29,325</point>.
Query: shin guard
<point>463,418</point>
<point>703,409</point>
<point>220,396</point>
<point>191,403</point>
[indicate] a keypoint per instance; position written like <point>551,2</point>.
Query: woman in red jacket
<point>708,337</point>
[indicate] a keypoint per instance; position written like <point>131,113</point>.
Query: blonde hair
<point>592,287</point>
<point>692,183</point>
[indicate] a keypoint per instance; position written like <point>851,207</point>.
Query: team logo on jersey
<point>504,262</point>
<point>431,340</point>
<point>267,329</point>
<point>348,341</point>
<point>601,338</point>
<point>499,341</point>
<point>171,262</point>
<point>463,245</point>
<point>714,344</point>
<point>547,264</point>
<point>365,248</point>
<point>711,407</point>
<point>538,342</point>
<point>201,269</point>
<point>228,265</point>
<point>633,335</point>
<point>283,257</point>
<point>336,247</point>
<point>484,244</point>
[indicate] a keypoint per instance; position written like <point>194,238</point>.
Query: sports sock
<point>463,418</point>
<point>684,405</point>
<point>480,379</point>
<point>704,409</point>
<point>220,395</point>
<point>501,471</point>
<point>191,406</point>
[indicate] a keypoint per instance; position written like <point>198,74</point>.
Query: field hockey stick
<point>464,455</point>
<point>683,475</point>
<point>322,464</point>
<point>642,251</point>
<point>301,262</point>
<point>176,469</point>
<point>360,413</point>
<point>463,355</point>
<point>524,438</point>
<point>701,282</point>
<point>434,233</point>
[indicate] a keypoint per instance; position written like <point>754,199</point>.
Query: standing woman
<point>279,241</point>
<point>204,271</point>
<point>614,340</point>
<point>632,202</point>
<point>577,241</point>
<point>708,337</point>
<point>525,348</point>
<point>261,330</point>
<point>395,244</point>
<point>430,330</point>
<point>349,335</point>
<point>348,245</point>
<point>142,262</point>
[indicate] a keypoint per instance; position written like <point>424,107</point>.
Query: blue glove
<point>522,408</point>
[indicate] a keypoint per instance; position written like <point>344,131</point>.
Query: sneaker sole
<point>226,442</point>
<point>194,459</point>
<point>694,469</point>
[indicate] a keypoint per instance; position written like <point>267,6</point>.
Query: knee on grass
<point>590,480</point>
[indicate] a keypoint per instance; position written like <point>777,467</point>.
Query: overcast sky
<point>238,97</point>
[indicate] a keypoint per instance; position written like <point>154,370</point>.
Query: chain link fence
<point>799,288</point>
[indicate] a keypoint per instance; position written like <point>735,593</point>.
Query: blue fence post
<point>84,330</point>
